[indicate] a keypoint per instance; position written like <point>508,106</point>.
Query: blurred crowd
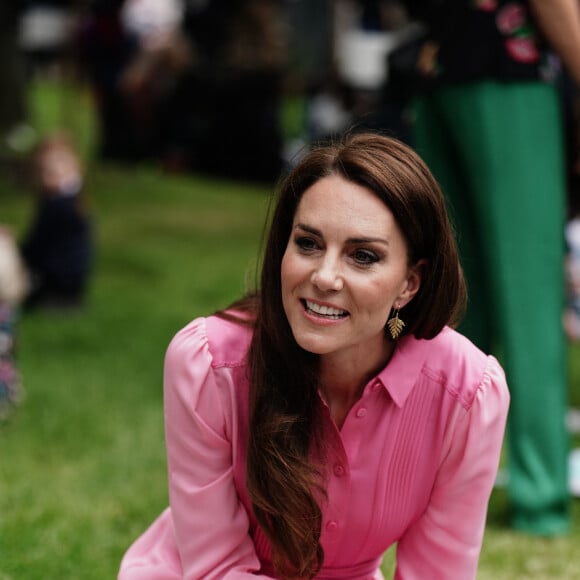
<point>484,89</point>
<point>195,84</point>
<point>202,84</point>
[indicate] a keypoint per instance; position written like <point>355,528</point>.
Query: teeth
<point>325,310</point>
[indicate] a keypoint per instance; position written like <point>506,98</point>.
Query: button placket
<point>338,489</point>
<point>360,413</point>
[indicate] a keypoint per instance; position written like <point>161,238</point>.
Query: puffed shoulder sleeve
<point>445,542</point>
<point>209,522</point>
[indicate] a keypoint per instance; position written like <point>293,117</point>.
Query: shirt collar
<point>402,371</point>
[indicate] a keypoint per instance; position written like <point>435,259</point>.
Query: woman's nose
<point>327,276</point>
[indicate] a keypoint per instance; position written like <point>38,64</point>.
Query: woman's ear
<point>412,283</point>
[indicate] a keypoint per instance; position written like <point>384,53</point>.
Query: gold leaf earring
<point>395,325</point>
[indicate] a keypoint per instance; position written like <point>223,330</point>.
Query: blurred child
<point>58,248</point>
<point>13,285</point>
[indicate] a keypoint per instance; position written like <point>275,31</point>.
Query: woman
<point>335,413</point>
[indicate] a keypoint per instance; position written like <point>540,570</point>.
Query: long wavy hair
<point>285,477</point>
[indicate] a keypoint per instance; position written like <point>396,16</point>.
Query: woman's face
<point>345,266</point>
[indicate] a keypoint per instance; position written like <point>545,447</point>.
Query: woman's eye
<point>306,244</point>
<point>365,257</point>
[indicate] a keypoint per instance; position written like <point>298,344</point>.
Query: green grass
<point>82,467</point>
<point>82,463</point>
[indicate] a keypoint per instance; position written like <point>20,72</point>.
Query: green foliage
<point>61,105</point>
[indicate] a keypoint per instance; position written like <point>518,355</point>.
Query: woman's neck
<point>343,379</point>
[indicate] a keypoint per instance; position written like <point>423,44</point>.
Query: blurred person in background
<point>58,247</point>
<point>571,103</point>
<point>13,287</point>
<point>367,33</point>
<point>105,48</point>
<point>153,74</point>
<point>231,102</point>
<point>489,125</point>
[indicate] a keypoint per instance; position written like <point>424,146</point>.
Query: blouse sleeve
<point>210,524</point>
<point>445,541</point>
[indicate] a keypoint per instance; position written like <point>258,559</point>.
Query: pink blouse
<point>414,464</point>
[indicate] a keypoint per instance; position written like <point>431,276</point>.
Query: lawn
<point>82,468</point>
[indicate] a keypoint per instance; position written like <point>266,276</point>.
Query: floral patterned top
<point>475,39</point>
<point>10,387</point>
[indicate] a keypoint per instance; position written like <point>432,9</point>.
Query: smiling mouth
<point>324,311</point>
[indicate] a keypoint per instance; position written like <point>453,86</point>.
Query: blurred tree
<point>13,109</point>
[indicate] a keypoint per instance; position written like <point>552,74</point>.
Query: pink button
<point>376,386</point>
<point>361,412</point>
<point>332,526</point>
<point>338,470</point>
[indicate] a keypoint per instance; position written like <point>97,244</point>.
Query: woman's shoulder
<point>450,343</point>
<point>224,339</point>
<point>204,374</point>
<point>461,367</point>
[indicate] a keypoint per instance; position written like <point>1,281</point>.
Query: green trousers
<point>497,151</point>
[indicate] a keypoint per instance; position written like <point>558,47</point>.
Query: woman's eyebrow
<point>308,229</point>
<point>368,241</point>
<point>357,240</point>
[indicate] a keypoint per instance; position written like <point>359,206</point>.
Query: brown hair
<point>57,166</point>
<point>283,478</point>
